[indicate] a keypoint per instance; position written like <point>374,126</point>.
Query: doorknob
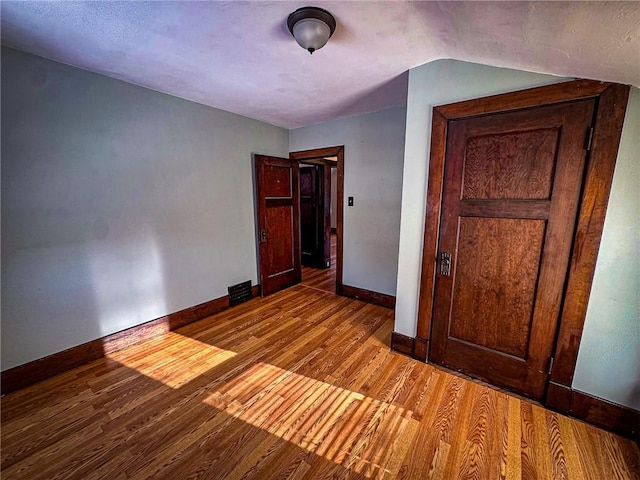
<point>263,236</point>
<point>445,264</point>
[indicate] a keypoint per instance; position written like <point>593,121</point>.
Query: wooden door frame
<point>611,101</point>
<point>338,152</point>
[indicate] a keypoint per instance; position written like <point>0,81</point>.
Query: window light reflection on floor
<point>181,360</point>
<point>329,421</point>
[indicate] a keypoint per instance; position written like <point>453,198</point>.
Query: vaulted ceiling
<point>240,57</point>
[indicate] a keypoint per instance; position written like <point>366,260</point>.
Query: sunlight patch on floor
<point>335,423</point>
<point>176,361</point>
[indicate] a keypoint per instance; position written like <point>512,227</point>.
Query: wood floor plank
<point>453,423</point>
<point>541,442</point>
<point>323,279</point>
<point>498,436</point>
<point>529,462</point>
<point>298,385</point>
<point>559,468</point>
<point>476,462</point>
<point>514,434</point>
<point>614,460</point>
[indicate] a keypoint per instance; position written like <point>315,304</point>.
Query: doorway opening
<point>321,216</point>
<point>318,180</point>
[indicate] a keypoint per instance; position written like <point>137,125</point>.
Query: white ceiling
<point>240,57</point>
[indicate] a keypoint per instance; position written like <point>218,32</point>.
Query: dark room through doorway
<point>318,222</point>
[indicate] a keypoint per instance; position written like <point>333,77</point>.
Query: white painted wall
<point>374,148</point>
<point>119,204</point>
<point>436,83</point>
<point>609,357</point>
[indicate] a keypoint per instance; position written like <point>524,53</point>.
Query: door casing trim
<point>337,151</point>
<point>611,107</point>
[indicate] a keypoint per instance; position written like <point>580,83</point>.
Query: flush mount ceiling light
<point>311,27</point>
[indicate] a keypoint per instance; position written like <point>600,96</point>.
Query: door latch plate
<point>445,264</point>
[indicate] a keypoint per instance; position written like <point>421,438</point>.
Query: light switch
<point>350,201</point>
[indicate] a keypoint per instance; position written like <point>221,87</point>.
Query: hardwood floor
<point>322,278</point>
<point>298,385</point>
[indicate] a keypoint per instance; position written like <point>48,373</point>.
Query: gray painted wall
<point>374,147</point>
<point>119,204</point>
<point>447,81</point>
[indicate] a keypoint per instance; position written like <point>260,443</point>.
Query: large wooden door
<point>278,204</point>
<point>511,191</point>
<point>315,220</point>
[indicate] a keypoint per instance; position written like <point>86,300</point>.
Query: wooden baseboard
<point>616,418</point>
<point>382,299</point>
<point>38,370</point>
<point>414,347</point>
<point>558,397</point>
<point>402,344</point>
<point>610,416</point>
<point>421,349</point>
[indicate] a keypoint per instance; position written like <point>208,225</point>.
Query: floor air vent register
<point>239,293</point>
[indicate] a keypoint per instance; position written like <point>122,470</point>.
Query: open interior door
<point>315,216</point>
<point>278,205</point>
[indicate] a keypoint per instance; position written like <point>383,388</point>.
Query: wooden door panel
<point>511,189</point>
<point>277,203</point>
<point>500,255</point>
<point>277,181</point>
<point>512,165</point>
<point>281,254</point>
